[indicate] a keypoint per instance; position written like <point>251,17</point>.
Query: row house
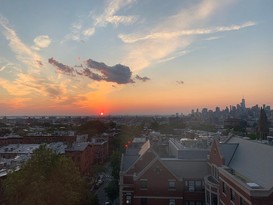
<point>87,154</point>
<point>36,140</point>
<point>241,173</point>
<point>82,155</point>
<point>100,150</point>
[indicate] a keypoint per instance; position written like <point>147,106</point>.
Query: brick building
<point>100,149</point>
<point>241,173</point>
<point>83,156</point>
<point>146,178</point>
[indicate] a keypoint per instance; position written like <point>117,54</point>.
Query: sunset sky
<point>64,57</point>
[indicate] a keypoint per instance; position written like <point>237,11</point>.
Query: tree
<point>112,190</point>
<point>46,178</point>
<point>93,127</point>
<point>115,164</point>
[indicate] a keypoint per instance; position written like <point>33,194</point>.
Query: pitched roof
<point>227,151</point>
<point>132,154</point>
<point>193,154</point>
<point>254,161</point>
<point>128,161</point>
<point>186,168</point>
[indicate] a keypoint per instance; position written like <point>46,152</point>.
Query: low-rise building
<point>82,155</point>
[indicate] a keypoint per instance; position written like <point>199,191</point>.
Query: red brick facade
<point>148,181</point>
<point>83,159</point>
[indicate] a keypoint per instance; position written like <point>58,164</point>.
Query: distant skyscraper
<point>243,104</point>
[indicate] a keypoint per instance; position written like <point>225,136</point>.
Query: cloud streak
<point>23,53</point>
<point>170,35</point>
<point>33,80</point>
<point>82,31</point>
<point>162,41</point>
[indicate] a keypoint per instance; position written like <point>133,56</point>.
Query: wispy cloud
<point>41,85</point>
<point>23,53</point>
<point>33,80</point>
<point>27,84</point>
<point>170,35</point>
<point>212,38</point>
<point>82,29</point>
<point>162,42</point>
<point>109,14</point>
<point>174,56</point>
<point>4,67</point>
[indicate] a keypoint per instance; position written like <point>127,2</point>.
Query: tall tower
<point>243,104</point>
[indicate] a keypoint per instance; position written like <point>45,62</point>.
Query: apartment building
<point>241,173</point>
<point>146,178</point>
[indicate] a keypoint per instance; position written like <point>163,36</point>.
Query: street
<point>104,177</point>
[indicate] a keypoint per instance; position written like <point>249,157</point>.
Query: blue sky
<point>155,56</point>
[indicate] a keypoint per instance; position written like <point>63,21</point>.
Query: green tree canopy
<point>46,178</point>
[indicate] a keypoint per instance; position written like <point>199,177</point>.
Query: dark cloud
<point>61,67</point>
<point>39,62</point>
<point>99,71</point>
<point>180,82</point>
<point>88,73</point>
<point>118,73</point>
<point>143,79</point>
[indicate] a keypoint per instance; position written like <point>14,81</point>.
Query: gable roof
<point>186,168</point>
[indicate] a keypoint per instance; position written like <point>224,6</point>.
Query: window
<point>198,185</point>
<point>242,202</point>
<point>143,183</point>
<point>215,172</point>
<point>143,201</point>
<point>232,195</point>
<point>194,185</point>
<point>172,185</point>
<point>191,186</point>
<point>172,202</point>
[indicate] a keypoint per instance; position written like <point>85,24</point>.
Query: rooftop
<point>251,161</point>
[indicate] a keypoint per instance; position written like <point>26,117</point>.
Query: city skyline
<point>133,57</point>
